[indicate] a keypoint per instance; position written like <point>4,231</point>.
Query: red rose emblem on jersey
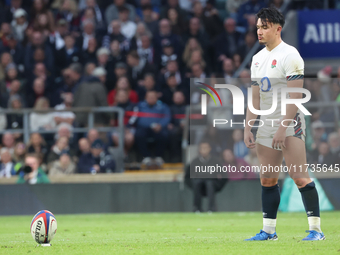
<point>274,63</point>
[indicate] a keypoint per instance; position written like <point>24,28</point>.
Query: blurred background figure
<point>97,160</point>
<point>206,186</point>
<point>63,165</point>
<point>6,165</point>
<point>32,173</point>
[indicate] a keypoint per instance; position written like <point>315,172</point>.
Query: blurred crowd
<point>138,55</point>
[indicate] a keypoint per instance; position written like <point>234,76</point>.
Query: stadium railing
<point>26,131</point>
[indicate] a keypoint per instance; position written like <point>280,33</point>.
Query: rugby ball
<point>43,227</point>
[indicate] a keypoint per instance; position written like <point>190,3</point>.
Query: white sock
<point>314,223</point>
<point>269,225</point>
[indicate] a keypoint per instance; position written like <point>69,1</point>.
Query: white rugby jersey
<point>273,69</point>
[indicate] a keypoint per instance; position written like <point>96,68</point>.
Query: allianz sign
<point>322,33</point>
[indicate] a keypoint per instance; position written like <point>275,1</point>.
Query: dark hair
<point>271,15</point>
<point>134,54</point>
<point>123,9</point>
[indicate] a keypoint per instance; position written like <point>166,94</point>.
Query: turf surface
<point>169,233</point>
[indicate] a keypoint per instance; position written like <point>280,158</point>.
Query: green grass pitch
<point>170,233</point>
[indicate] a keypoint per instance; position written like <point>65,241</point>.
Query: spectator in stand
<point>178,23</point>
<point>171,68</point>
<point>61,145</point>
<point>172,4</point>
<point>40,7</point>
<point>13,89</point>
<point>93,9</point>
<point>153,126</point>
<point>6,59</point>
<point>72,78</point>
<point>196,32</point>
<point>128,27</point>
<point>5,30</point>
<point>165,33</point>
<point>83,146</point>
<point>122,84</point>
<point>145,49</point>
<point>150,18</point>
<point>114,33</point>
<point>97,161</point>
<point>66,116</point>
<point>170,89</point>
<point>11,75</point>
<point>57,40</point>
<point>197,58</point>
<point>90,93</point>
<point>141,30</point>
<point>137,68</point>
<point>68,10</point>
<point>208,186</point>
<point>244,82</point>
<point>64,129</point>
<point>37,175</point>
<point>227,42</point>
<point>37,40</point>
<point>334,146</point>
<point>89,68</point>
<point>9,10</point>
<point>89,55</point>
<point>8,142</point>
<point>209,18</point>
<point>246,12</point>
<point>112,12</point>
<point>72,53</point>
<point>15,120</point>
<point>88,28</point>
<point>19,156</point>
<point>228,70</point>
<point>237,61</point>
<point>103,55</point>
<point>100,73</point>
<point>19,24</point>
<point>232,6</point>
<point>154,8</point>
<point>119,70</point>
<point>168,54</point>
<point>191,46</point>
<point>42,120</point>
<point>148,84</point>
<point>15,49</point>
<point>230,160</point>
<point>197,71</point>
<point>122,101</point>
<point>92,135</point>
<point>37,145</point>
<point>323,155</point>
<point>39,91</point>
<point>42,24</point>
<point>240,149</point>
<point>64,165</point>
<point>249,42</point>
<point>319,134</point>
<point>176,126</point>
<point>6,164</point>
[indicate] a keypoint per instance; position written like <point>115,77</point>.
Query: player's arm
<point>248,135</point>
<point>294,67</point>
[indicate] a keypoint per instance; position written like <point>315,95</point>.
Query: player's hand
<point>249,139</point>
<point>279,139</point>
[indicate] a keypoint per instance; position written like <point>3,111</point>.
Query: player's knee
<point>268,182</point>
<point>301,182</point>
